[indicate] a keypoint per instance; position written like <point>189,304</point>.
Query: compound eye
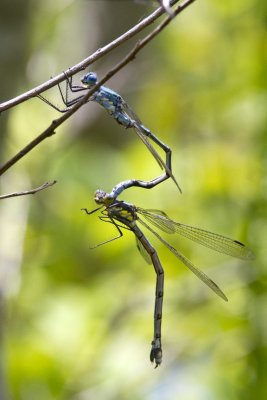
<point>89,79</point>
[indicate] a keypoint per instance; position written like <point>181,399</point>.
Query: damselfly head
<point>89,79</point>
<point>99,196</point>
<point>102,197</point>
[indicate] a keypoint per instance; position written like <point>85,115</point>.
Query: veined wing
<point>214,241</point>
<point>200,274</point>
<point>159,219</point>
<point>141,132</point>
<point>152,150</point>
<point>137,126</point>
<point>143,251</point>
<point>127,109</point>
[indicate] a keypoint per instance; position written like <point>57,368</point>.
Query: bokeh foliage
<point>77,323</point>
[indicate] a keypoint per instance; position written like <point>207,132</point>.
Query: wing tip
<point>250,255</point>
<point>224,297</point>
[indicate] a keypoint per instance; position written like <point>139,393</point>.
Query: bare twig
<point>86,62</point>
<point>25,192</point>
<point>56,123</point>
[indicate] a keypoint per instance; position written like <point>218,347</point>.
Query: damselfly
<point>126,216</point>
<point>117,107</point>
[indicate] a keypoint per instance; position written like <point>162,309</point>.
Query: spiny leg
<point>93,211</point>
<point>48,102</point>
<point>65,98</point>
<point>73,89</point>
<point>45,100</point>
<point>105,219</point>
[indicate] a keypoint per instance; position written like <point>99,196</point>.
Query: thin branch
<point>86,62</point>
<point>56,123</point>
<point>25,192</point>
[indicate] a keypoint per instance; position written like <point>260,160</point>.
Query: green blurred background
<point>77,323</point>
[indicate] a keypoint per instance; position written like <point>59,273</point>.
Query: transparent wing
<point>200,274</point>
<point>142,132</point>
<point>143,251</point>
<point>147,143</point>
<point>137,127</point>
<point>159,219</point>
<point>127,109</point>
<point>214,241</point>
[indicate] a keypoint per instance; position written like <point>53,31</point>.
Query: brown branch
<point>25,192</point>
<point>56,123</point>
<point>86,62</point>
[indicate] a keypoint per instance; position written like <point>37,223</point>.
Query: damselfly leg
<point>69,103</point>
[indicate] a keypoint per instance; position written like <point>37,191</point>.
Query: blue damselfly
<point>117,107</point>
